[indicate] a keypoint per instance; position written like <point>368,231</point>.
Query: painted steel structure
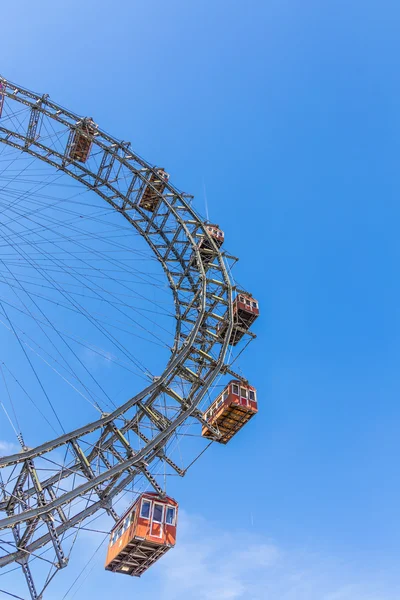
<point>34,508</point>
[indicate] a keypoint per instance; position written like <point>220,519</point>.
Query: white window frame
<point>169,507</point>
<point>255,396</point>
<point>245,390</point>
<point>153,520</point>
<point>115,537</point>
<point>127,521</point>
<point>141,509</point>
<point>235,385</point>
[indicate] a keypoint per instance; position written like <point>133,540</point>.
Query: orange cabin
<point>245,312</point>
<point>144,534</point>
<point>150,196</point>
<point>207,252</point>
<point>235,406</point>
<point>216,233</point>
<point>2,89</point>
<point>82,142</point>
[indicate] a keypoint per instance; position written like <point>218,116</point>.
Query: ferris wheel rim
<point>44,99</point>
<point>211,298</point>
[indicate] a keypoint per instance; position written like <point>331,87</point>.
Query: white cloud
<point>8,448</point>
<point>97,359</point>
<point>210,564</point>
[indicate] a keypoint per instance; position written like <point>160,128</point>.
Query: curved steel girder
<point>203,294</point>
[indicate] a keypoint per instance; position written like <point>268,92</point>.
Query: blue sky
<point>287,112</point>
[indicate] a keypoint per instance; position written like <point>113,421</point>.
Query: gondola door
<point>243,396</point>
<point>157,520</point>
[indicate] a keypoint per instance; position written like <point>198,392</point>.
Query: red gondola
<point>207,251</point>
<point>144,534</point>
<point>245,312</point>
<point>151,197</point>
<point>233,408</point>
<point>216,233</point>
<point>82,141</point>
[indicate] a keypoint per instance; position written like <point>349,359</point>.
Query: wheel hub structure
<point>46,499</point>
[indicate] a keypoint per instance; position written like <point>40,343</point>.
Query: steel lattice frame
<point>105,460</point>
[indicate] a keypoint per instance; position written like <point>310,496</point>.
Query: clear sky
<point>287,112</point>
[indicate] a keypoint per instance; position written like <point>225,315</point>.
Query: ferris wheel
<point>121,324</point>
